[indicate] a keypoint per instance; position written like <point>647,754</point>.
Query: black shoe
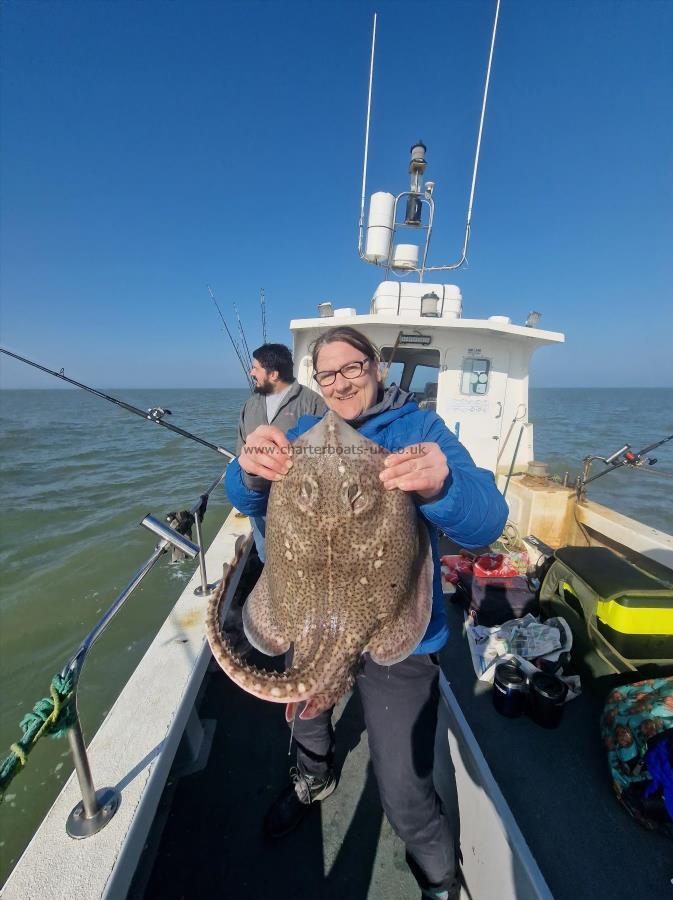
<point>290,807</point>
<point>450,893</point>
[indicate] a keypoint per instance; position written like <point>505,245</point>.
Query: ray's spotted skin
<point>349,570</point>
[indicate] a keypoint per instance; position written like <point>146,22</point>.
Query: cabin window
<point>424,380</point>
<point>474,378</point>
<point>395,372</point>
<point>413,369</point>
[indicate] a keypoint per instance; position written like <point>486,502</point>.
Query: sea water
<point>77,477</point>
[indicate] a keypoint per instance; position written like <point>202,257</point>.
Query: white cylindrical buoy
<point>405,256</point>
<point>379,227</point>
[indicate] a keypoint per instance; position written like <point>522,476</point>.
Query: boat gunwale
<point>150,713</point>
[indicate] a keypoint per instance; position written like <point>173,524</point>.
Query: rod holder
<point>170,535</point>
<point>613,456</point>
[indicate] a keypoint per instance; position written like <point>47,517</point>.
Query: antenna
<point>383,224</point>
<point>468,224</point>
<point>364,163</point>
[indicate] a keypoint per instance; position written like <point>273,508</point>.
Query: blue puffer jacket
<point>470,510</point>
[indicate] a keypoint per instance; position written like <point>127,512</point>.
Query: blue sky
<point>151,149</point>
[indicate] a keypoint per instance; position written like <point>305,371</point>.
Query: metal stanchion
<point>96,808</point>
<point>204,589</point>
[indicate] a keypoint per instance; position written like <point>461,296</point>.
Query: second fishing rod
<point>155,414</point>
<point>239,351</point>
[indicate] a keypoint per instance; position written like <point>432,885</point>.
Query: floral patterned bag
<point>637,733</point>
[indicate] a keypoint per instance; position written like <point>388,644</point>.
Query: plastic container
<point>547,696</point>
<point>405,256</point>
<point>510,689</point>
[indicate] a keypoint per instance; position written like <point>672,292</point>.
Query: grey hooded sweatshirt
<point>299,401</point>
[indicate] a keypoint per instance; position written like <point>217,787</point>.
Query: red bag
<point>454,566</point>
<point>494,565</point>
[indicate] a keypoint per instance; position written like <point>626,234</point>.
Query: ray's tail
<point>284,687</point>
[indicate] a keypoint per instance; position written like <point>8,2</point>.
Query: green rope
<point>51,715</point>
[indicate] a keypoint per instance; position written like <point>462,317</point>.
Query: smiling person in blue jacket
<point>399,701</point>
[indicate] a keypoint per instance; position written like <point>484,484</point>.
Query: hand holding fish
<point>266,453</point>
<point>421,468</point>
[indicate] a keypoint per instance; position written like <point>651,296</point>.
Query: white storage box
<point>396,297</point>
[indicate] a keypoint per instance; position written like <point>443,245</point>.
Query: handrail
<point>97,807</point>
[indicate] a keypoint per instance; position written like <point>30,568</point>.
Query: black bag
<point>492,601</point>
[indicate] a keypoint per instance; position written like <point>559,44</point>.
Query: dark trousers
<point>400,708</point>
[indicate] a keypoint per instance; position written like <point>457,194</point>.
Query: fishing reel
<point>622,457</point>
<point>156,413</point>
<point>183,522</point>
<point>637,459</point>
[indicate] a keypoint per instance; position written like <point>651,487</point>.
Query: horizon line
<point>549,387</point>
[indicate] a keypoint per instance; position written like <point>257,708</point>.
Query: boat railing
<point>97,807</point>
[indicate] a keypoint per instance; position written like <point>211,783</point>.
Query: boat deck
<point>207,836</point>
<point>557,785</point>
<point>212,842</point>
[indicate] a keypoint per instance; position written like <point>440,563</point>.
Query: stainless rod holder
<point>170,535</point>
<point>613,456</point>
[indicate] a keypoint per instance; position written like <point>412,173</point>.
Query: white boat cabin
<point>473,372</point>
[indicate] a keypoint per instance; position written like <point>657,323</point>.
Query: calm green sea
<point>78,475</point>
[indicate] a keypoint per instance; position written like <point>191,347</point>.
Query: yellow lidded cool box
<point>626,613</point>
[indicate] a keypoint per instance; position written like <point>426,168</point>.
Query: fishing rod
<point>248,357</point>
<point>237,349</point>
<point>155,414</point>
<point>262,303</point>
<point>384,374</point>
<point>622,457</point>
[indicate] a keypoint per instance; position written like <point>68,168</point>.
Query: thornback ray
<point>349,570</point>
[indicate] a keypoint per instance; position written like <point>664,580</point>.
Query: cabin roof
<point>535,335</point>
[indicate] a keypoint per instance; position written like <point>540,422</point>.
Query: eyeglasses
<point>350,370</point>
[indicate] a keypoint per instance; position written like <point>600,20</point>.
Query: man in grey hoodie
<point>278,400</point>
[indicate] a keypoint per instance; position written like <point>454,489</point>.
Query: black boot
<point>290,807</point>
<point>450,893</point>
